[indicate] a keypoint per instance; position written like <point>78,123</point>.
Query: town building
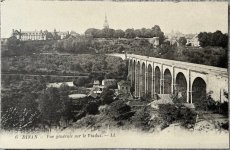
<point>194,41</point>
<point>109,83</point>
<point>97,87</point>
<point>96,83</point>
<point>124,87</point>
<point>155,41</point>
<point>63,35</point>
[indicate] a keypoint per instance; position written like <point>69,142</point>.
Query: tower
<point>106,24</point>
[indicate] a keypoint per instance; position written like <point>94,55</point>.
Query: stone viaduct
<point>153,76</point>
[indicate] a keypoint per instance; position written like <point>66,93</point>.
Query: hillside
<point>210,55</point>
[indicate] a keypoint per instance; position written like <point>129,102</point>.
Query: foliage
<point>146,97</point>
<point>19,114</point>
<point>119,110</point>
<point>182,41</point>
<point>223,108</point>
<point>87,121</point>
<point>81,81</point>
<point>128,33</point>
<point>177,113</point>
<point>107,96</point>
<point>132,89</point>
<point>141,118</point>
<point>92,107</point>
<point>16,47</point>
<point>213,39</point>
<point>54,103</point>
<point>73,45</point>
<point>206,103</point>
<point>177,100</point>
<point>76,65</point>
<point>19,105</point>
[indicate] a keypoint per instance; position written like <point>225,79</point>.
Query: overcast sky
<point>187,17</point>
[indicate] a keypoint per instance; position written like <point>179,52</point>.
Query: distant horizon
<point>175,31</point>
<point>79,16</point>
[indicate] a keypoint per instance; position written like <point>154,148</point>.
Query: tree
<point>213,39</point>
<point>141,118</point>
<point>92,107</point>
<point>204,39</point>
<point>81,81</point>
<point>182,41</point>
<point>66,103</point>
<point>129,33</point>
<point>13,43</point>
<point>108,33</point>
<point>158,33</point>
<point>138,33</point>
<point>92,32</point>
<point>119,110</point>
<point>19,113</point>
<point>119,33</point>
<point>50,106</point>
<point>147,33</point>
<point>107,96</point>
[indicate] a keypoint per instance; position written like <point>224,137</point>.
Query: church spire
<point>106,24</point>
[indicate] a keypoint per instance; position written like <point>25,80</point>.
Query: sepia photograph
<point>114,74</point>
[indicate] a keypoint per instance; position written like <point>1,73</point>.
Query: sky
<point>186,17</point>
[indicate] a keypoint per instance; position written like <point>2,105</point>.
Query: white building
<point>194,41</point>
<point>29,35</point>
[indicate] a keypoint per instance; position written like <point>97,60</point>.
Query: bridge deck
<point>196,67</point>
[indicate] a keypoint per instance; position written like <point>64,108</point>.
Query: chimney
<point>20,30</point>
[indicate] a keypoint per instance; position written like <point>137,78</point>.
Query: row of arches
<point>150,81</point>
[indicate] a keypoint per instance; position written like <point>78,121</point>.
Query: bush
<point>141,119</point>
<point>225,126</point>
<point>206,103</point>
<point>92,107</point>
<point>81,81</point>
<point>188,117</point>
<point>87,121</point>
<point>223,108</point>
<point>177,113</point>
<point>168,112</point>
<point>146,97</point>
<point>119,110</point>
<point>107,96</point>
<point>211,105</point>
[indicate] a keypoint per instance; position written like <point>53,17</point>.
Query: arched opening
<point>149,80</point>
<point>138,79</point>
<point>130,71</point>
<point>181,86</point>
<point>133,73</point>
<point>167,82</point>
<point>198,90</point>
<point>143,80</point>
<point>157,80</point>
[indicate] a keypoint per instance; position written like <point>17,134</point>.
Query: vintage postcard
<point>109,74</point>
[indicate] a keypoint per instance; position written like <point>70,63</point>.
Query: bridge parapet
<point>180,64</point>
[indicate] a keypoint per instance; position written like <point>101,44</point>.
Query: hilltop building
<point>38,35</point>
<point>29,35</point>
